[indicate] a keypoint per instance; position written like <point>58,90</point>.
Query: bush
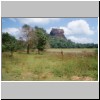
<point>3,48</point>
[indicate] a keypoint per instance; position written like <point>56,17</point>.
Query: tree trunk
<point>28,49</point>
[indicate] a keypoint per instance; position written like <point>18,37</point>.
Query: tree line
<point>56,42</point>
<point>37,38</point>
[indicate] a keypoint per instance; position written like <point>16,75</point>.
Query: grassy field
<point>74,65</point>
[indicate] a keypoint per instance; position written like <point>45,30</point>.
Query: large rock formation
<point>57,33</point>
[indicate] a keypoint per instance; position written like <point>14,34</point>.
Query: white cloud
<point>80,40</point>
<point>79,27</point>
<point>13,19</point>
<point>66,30</point>
<point>49,30</point>
<point>13,31</point>
<point>37,20</point>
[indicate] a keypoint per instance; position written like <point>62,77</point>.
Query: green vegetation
<point>56,42</point>
<point>41,38</point>
<point>76,65</point>
<point>9,43</point>
<point>32,58</point>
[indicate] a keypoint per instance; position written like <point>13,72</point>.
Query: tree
<point>41,38</point>
<point>9,43</point>
<point>29,36</point>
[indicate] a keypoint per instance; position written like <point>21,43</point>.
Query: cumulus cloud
<point>80,40</point>
<point>37,20</point>
<point>79,27</point>
<point>13,31</point>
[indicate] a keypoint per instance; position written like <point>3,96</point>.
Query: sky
<point>79,30</point>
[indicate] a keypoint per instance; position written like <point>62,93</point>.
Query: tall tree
<point>28,35</point>
<point>41,38</point>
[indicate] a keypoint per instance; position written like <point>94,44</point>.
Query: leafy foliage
<point>41,38</point>
<point>56,42</point>
<point>9,43</point>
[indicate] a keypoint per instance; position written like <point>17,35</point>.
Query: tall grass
<point>50,66</point>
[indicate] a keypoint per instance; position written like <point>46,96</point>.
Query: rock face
<point>57,33</point>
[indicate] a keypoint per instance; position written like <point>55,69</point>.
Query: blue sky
<point>79,30</point>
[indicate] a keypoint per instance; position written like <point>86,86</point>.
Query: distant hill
<point>57,39</point>
<point>59,33</point>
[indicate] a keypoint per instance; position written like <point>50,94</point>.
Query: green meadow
<point>52,65</point>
